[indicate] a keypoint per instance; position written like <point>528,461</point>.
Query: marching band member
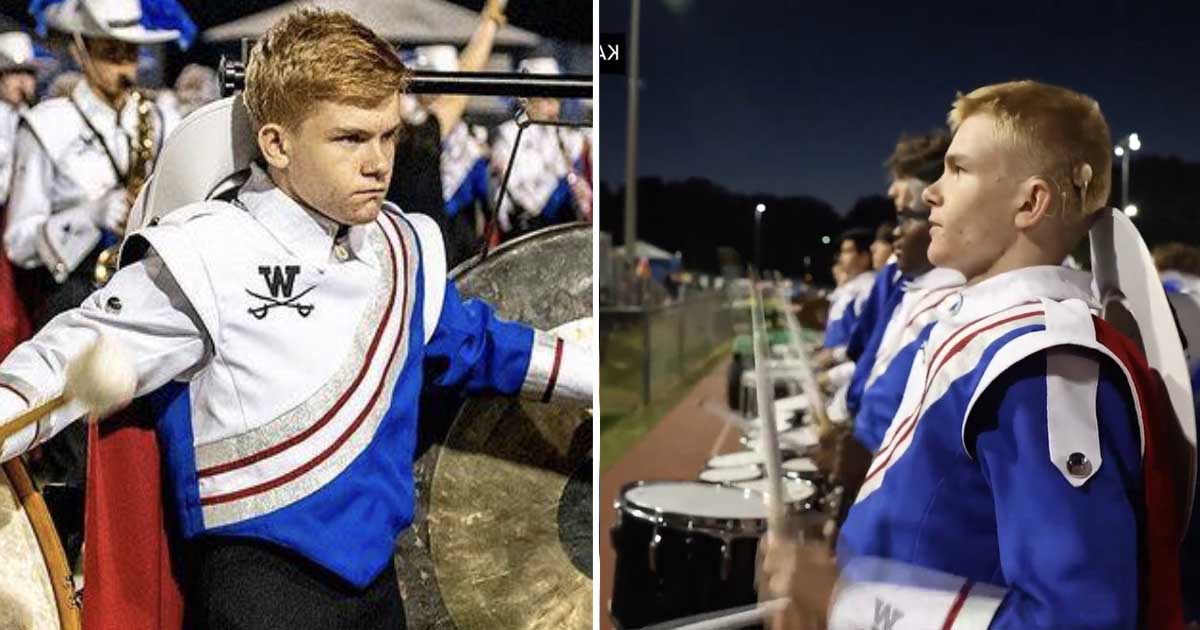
<point>69,196</point>
<point>881,247</point>
<point>848,299</point>
<point>18,91</point>
<point>463,160</point>
<point>432,124</point>
<point>1022,484</point>
<point>296,327</point>
<point>18,85</point>
<point>915,163</point>
<point>548,184</point>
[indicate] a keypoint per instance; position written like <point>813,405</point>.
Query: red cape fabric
<point>128,581</point>
<point>1164,477</point>
<point>14,322</point>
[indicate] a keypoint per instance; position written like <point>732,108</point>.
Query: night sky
<point>808,98</point>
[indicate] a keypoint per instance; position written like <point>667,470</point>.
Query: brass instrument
<point>141,161</point>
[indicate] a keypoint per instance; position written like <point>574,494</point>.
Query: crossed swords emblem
<point>260,312</point>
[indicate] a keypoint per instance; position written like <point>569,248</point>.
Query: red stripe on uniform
<point>909,424</point>
<point>558,351</point>
<point>323,455</point>
<point>957,606</point>
<point>337,406</point>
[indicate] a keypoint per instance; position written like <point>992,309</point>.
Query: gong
<point>502,530</point>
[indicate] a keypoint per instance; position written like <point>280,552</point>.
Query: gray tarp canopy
<point>407,22</point>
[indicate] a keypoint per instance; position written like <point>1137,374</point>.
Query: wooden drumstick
<point>807,376</point>
<point>766,412</point>
<point>30,416</point>
<point>102,378</point>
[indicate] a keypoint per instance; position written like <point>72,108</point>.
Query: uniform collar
<point>936,278</point>
<point>1019,286</point>
<point>304,232</point>
<point>100,113</point>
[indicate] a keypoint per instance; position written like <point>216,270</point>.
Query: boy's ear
<point>1038,197</point>
<point>275,145</point>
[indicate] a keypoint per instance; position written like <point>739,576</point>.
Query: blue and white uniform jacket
<point>464,169</point>
<point>1008,491</point>
<point>882,382</point>
<point>539,184</point>
<point>297,358</point>
<point>845,307</point>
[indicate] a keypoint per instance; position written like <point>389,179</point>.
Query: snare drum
<point>801,468</point>
<point>731,474</point>
<point>799,494</point>
<point>736,460</point>
<point>36,591</point>
<point>683,548</point>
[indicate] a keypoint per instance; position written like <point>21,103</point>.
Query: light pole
<point>631,139</point>
<point>1124,148</point>
<point>759,210</point>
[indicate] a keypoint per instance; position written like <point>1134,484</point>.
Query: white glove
<point>112,211</point>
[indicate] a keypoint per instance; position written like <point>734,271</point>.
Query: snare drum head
<point>732,460</point>
<point>26,596</point>
<point>797,490</point>
<point>800,464</point>
<point>733,473</point>
<point>693,498</point>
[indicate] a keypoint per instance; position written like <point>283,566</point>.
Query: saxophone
<point>141,159</point>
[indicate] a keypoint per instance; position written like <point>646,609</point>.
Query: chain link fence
<point>646,351</point>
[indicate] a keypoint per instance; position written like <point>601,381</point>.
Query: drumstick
<point>29,416</point>
<point>807,377</point>
<point>766,411</point>
<point>725,619</point>
<point>102,378</point>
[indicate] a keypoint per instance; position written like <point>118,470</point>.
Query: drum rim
<point>714,526</point>
<point>53,557</point>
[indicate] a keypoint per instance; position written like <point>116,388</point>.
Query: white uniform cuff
<point>877,593</point>
<point>558,370</point>
<point>11,404</point>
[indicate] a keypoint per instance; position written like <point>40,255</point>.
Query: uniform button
<point>1078,465</point>
<point>956,303</point>
<point>340,252</point>
<point>113,305</point>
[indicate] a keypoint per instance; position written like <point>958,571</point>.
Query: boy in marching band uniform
<point>299,324</point>
<point>549,182</point>
<point>1023,482</point>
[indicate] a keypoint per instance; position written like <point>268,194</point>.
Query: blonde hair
<point>314,55</point>
<point>1057,129</point>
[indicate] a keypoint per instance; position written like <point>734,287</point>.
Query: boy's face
<point>852,261</point>
<point>340,159</point>
<point>18,87</point>
<point>906,193</point>
<point>912,241</point>
<point>974,203</point>
<point>113,66</point>
<point>880,252</point>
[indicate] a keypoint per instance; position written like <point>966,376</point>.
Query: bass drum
<point>36,591</point>
<point>502,530</point>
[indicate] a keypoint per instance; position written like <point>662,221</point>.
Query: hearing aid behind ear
<point>1082,176</point>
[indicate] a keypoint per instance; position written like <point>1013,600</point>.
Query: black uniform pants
<point>241,584</point>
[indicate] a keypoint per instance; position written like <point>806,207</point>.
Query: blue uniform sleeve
<point>474,350</point>
<point>1068,555</point>
<point>860,335</point>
